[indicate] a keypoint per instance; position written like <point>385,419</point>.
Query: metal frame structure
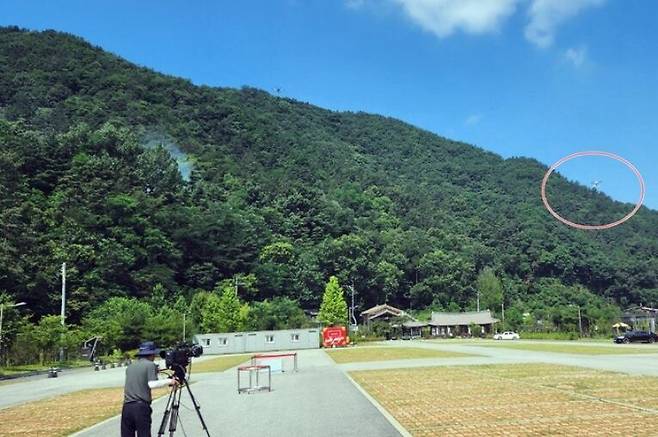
<point>255,370</point>
<point>255,358</point>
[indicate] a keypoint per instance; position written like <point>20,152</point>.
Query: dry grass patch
<point>65,414</point>
<point>219,364</point>
<point>516,400</point>
<point>357,354</point>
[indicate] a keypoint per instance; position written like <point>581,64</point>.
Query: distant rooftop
<point>384,309</point>
<point>465,318</point>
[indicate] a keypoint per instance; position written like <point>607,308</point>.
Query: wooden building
<point>383,312</point>
<point>455,324</point>
<point>640,318</point>
<point>414,328</point>
<point>441,324</point>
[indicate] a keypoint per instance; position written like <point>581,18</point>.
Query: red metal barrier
<point>255,358</point>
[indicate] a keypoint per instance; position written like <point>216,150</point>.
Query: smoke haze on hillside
<point>154,139</point>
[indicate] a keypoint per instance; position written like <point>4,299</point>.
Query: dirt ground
<point>63,415</point>
<point>516,400</point>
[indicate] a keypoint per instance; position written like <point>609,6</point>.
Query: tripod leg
<point>173,422</point>
<point>197,407</point>
<point>165,416</point>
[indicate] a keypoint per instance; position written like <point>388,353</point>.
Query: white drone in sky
<point>595,184</point>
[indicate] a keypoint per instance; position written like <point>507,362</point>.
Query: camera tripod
<point>173,405</point>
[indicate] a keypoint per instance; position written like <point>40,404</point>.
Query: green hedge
<point>549,335</point>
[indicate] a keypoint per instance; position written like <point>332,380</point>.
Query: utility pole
<point>2,313</point>
<point>352,315</point>
<point>63,311</point>
<point>502,303</point>
<point>478,300</point>
<point>237,282</point>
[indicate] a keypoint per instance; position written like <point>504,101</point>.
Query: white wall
<point>258,341</point>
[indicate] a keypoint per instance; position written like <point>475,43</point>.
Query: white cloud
<point>473,119</point>
<point>576,56</point>
<point>547,15</point>
<point>355,4</point>
<point>445,17</point>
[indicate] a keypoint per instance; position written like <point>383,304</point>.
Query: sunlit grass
<point>518,399</point>
<point>386,353</point>
<point>29,368</point>
<point>574,348</point>
<point>65,414</point>
<point>219,364</point>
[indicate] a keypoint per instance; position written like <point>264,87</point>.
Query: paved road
<point>319,400</point>
<point>40,386</point>
<point>588,342</point>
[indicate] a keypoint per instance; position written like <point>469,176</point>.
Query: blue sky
<point>536,78</point>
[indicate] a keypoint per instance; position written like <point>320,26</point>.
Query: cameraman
<point>141,377</point>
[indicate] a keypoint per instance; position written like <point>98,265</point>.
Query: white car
<point>507,335</point>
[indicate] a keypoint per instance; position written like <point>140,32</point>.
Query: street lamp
<point>2,313</point>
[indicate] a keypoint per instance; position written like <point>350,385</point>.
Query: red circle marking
<point>593,153</point>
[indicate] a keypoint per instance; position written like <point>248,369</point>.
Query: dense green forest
<point>140,180</point>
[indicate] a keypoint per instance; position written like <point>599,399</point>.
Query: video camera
<point>179,357</point>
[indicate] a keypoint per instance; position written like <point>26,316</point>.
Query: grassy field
<point>15,370</point>
<point>574,348</point>
<point>28,368</point>
<point>519,399</point>
<point>385,353</point>
<point>66,414</point>
<point>219,364</point>
<point>477,341</point>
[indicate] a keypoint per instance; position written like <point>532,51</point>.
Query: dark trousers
<point>136,418</point>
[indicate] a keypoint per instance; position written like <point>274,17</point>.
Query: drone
<point>595,184</point>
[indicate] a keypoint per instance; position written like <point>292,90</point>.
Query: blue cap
<point>147,348</point>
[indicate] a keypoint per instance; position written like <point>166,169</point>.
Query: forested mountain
<point>281,195</point>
